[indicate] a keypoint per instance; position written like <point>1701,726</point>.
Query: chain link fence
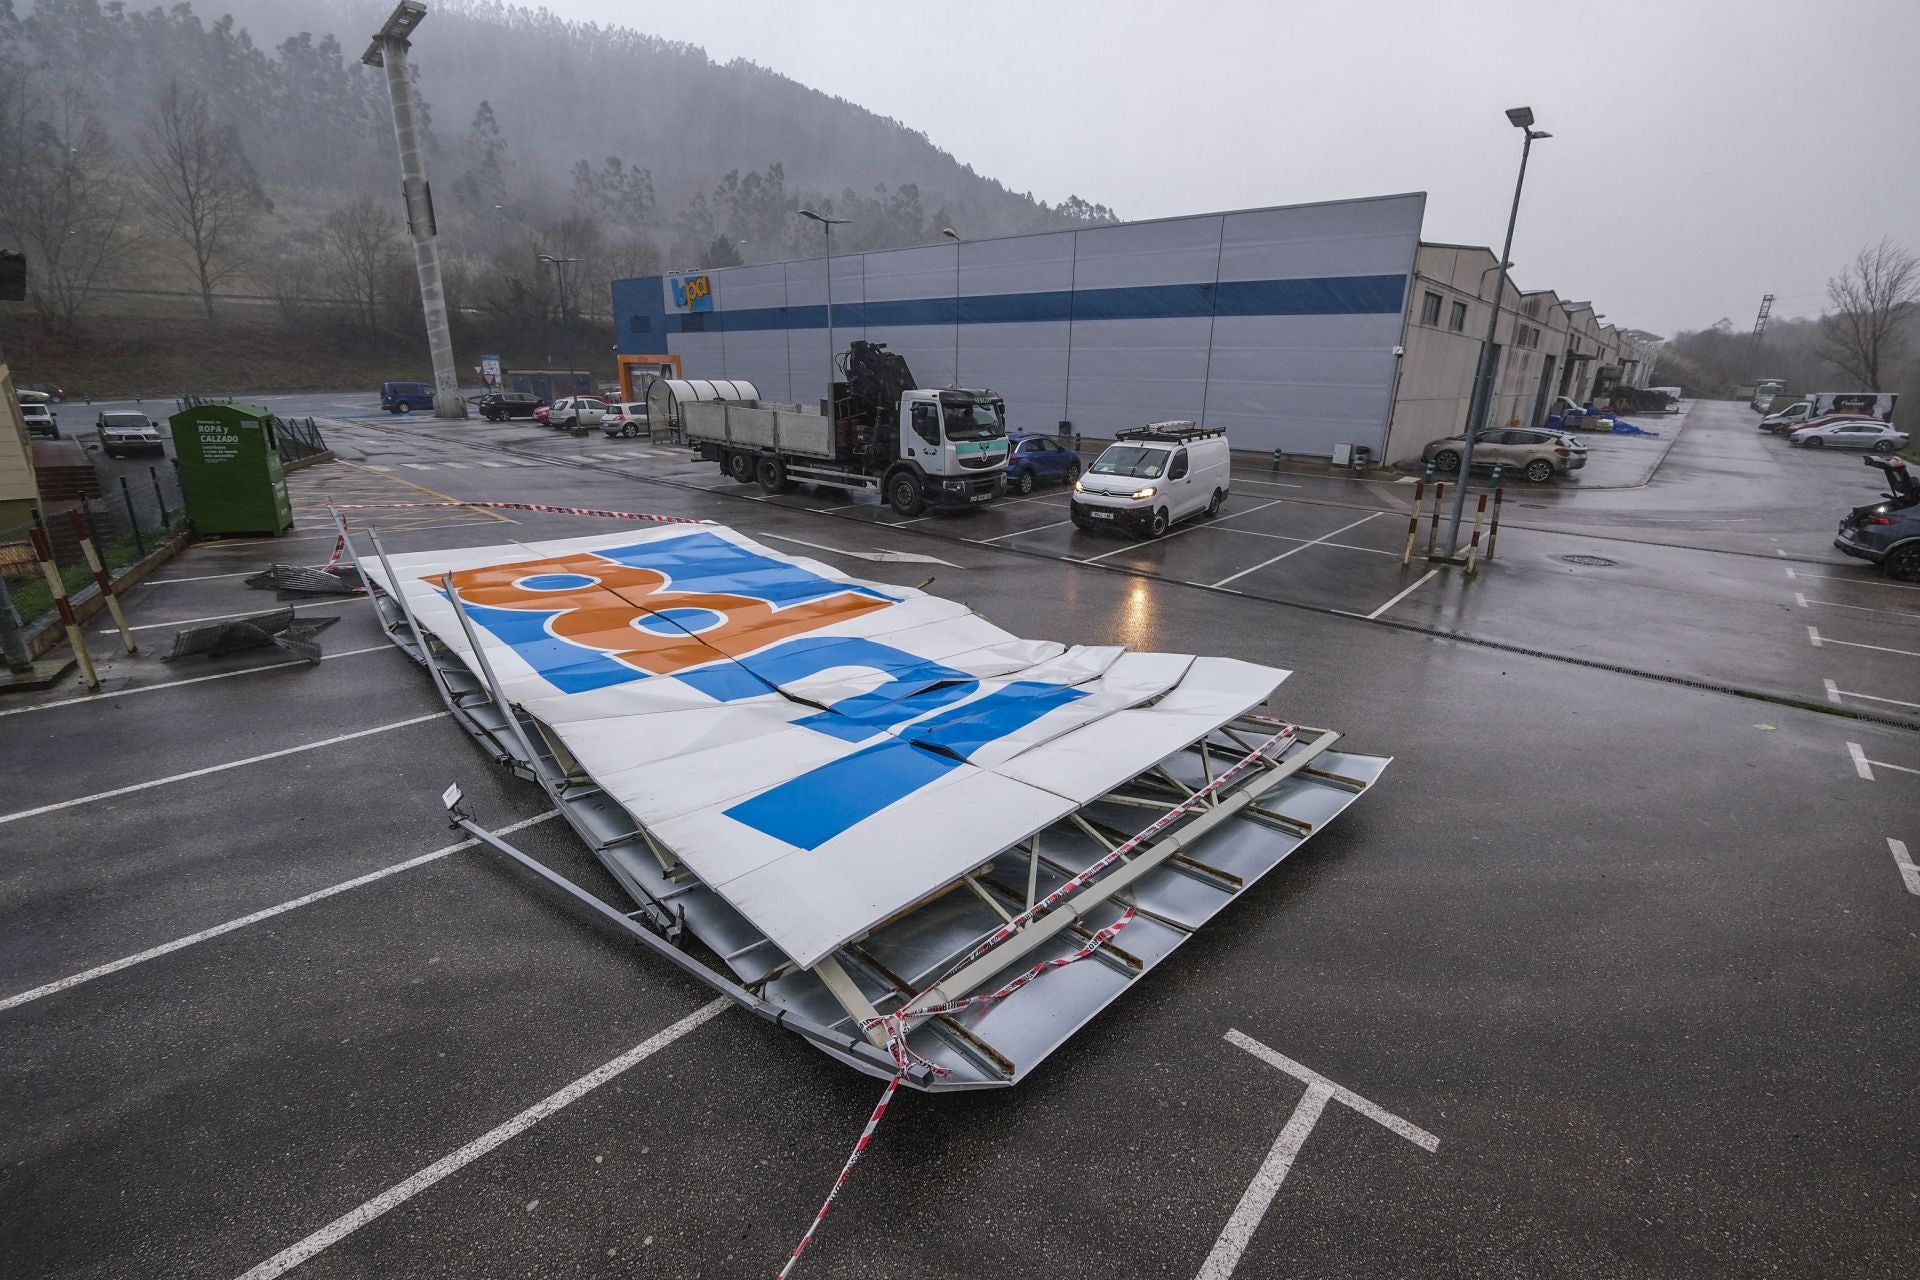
<point>133,515</point>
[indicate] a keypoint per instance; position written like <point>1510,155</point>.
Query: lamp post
<point>954,236</point>
<point>559,279</point>
<point>828,224</point>
<point>1521,119</point>
<point>389,50</point>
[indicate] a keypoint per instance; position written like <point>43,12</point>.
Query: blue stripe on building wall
<point>1321,296</point>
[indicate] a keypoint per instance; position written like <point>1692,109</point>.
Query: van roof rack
<point>1171,432</point>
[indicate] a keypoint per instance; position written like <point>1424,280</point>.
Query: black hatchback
<point>501,405</point>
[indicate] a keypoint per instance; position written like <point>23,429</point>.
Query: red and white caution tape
<point>894,1025</point>
<point>846,1171</point>
<point>520,506</point>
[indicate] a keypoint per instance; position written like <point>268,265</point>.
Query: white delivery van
<point>1152,478</point>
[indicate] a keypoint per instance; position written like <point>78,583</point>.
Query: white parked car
<point>40,420</point>
<point>628,419</point>
<point>576,411</point>
<point>1874,437</point>
<point>1150,479</point>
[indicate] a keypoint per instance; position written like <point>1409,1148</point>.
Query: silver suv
<point>1536,453</point>
<point>125,433</point>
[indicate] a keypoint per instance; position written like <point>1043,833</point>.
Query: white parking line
<point>175,684</point>
<point>77,801</point>
<point>1421,582</point>
<point>987,542</point>
<point>1238,1233</point>
<point>1271,484</point>
<point>1297,550</point>
<point>222,617</point>
<point>398,1194</point>
<point>1212,524</point>
<point>1909,874</point>
<point>267,913</point>
<point>419,466</point>
<point>1853,582</point>
<point>1860,765</point>
<point>1835,693</point>
<point>1816,639</point>
<point>1804,602</point>
<point>492,464</point>
<point>205,577</point>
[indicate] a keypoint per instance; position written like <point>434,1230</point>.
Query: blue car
<point>1031,459</point>
<point>1887,532</point>
<point>403,397</point>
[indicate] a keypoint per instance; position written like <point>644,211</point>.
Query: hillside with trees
<point>237,168</point>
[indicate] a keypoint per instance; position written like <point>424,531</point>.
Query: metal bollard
<point>1278,456</point>
<point>1413,522</point>
<point>102,581</point>
<point>1473,548</point>
<point>43,551</point>
<point>1433,529</point>
<point>1493,529</point>
<point>160,500</point>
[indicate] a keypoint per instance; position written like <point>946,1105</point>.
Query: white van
<point>1152,478</point>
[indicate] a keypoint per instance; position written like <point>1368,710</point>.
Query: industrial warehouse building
<point>1300,328</point>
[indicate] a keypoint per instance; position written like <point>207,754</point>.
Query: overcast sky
<point>1705,151</point>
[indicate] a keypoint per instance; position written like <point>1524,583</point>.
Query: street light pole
<point>954,236</point>
<point>1482,399</point>
<point>389,50</point>
<point>560,280</point>
<point>828,224</point>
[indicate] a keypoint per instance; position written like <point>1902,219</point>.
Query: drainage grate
<point>1598,562</point>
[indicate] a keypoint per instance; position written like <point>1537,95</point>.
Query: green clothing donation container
<point>230,474</point>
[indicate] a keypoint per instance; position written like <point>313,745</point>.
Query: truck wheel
<point>905,495</point>
<point>772,474</point>
<point>740,467</point>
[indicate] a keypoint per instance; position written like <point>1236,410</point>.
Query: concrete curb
<point>1671,438</point>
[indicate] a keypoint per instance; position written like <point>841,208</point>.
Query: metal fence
<point>299,438</point>
<point>134,515</point>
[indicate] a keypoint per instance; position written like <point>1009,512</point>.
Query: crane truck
<point>916,448</point>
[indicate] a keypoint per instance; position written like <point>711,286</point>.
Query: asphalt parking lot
<point>1638,955</point>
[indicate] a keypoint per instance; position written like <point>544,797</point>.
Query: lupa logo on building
<point>692,293</point>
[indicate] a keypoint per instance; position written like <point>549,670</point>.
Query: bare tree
<point>202,193</point>
<point>357,243</point>
<point>1863,333</point>
<point>60,199</point>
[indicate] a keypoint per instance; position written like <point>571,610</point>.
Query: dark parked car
<point>501,405</point>
<point>124,433</point>
<point>404,397</point>
<point>57,394</point>
<point>1887,532</point>
<point>1031,459</point>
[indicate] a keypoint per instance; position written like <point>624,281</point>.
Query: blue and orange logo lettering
<point>735,624</point>
<point>695,293</point>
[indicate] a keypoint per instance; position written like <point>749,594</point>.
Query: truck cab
<point>952,450</point>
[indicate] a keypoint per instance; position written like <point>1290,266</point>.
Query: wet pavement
<point>1638,953</point>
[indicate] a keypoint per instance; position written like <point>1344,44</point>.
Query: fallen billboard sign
<point>884,816</point>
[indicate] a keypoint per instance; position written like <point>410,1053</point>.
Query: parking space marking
<point>175,684</point>
<point>1835,693</point>
<point>1245,1220</point>
<point>1804,602</point>
<point>987,542</point>
<point>266,913</point>
<point>1134,546</point>
<point>219,617</point>
<point>1909,874</point>
<point>205,577</point>
<point>1297,550</point>
<point>1421,582</point>
<point>495,465</point>
<point>1271,484</point>
<point>1860,763</point>
<point>151,783</point>
<point>398,1194</point>
<point>1816,639</point>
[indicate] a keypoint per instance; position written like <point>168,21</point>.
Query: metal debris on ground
<point>298,635</point>
<point>298,580</point>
